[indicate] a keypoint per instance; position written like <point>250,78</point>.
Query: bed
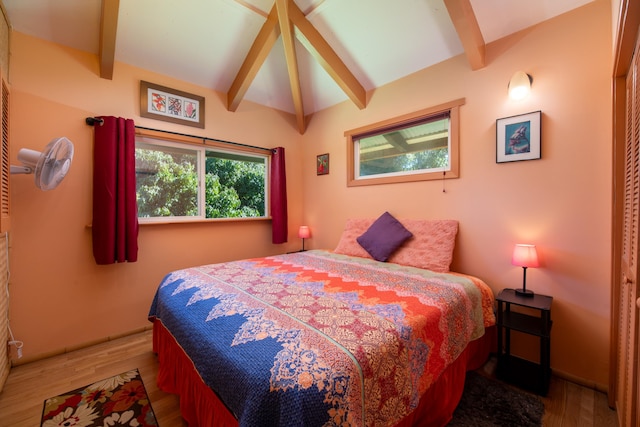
<point>319,338</point>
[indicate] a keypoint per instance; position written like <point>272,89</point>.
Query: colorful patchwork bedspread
<point>317,338</point>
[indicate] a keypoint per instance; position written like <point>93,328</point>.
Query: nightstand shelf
<point>525,323</point>
<point>524,373</point>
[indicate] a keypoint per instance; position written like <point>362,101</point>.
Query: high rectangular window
<point>415,147</point>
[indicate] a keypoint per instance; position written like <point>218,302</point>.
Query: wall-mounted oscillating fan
<point>50,166</point>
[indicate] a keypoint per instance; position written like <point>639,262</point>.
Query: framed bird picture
<point>518,137</point>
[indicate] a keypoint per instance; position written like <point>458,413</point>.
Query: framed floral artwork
<point>322,164</point>
<point>171,105</point>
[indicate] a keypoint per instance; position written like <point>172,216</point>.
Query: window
<point>414,147</point>
<point>186,182</point>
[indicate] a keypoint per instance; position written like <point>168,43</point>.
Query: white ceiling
<point>206,41</point>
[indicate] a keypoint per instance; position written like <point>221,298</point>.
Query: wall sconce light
<point>304,233</point>
<point>520,85</point>
<point>524,256</point>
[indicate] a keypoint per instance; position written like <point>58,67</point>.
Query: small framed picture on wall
<point>322,164</point>
<point>518,138</point>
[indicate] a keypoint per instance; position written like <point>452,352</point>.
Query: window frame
<point>189,142</point>
<point>352,136</point>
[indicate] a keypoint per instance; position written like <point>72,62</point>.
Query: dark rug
<point>489,403</point>
<point>120,400</point>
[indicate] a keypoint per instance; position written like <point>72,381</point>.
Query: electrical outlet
<point>18,345</point>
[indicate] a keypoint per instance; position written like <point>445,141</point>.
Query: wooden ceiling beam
<point>288,42</point>
<point>258,53</point>
<point>313,41</point>
<point>288,21</point>
<point>108,30</point>
<point>466,24</point>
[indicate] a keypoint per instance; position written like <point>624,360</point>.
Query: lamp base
<point>524,293</point>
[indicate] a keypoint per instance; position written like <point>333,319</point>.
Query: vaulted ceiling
<point>297,56</point>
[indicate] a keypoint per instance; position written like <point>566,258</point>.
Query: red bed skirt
<point>201,407</point>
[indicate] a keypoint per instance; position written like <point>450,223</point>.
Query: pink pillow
<point>431,246</point>
<point>348,245</point>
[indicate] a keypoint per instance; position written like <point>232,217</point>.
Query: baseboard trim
<point>604,388</point>
<point>25,360</point>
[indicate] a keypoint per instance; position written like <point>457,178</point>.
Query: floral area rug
<point>120,400</point>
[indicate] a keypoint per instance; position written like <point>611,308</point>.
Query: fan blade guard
<point>54,163</point>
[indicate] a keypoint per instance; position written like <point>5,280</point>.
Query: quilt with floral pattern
<point>316,338</point>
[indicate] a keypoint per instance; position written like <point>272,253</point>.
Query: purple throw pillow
<point>383,237</point>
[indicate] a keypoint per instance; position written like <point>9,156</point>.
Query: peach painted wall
<point>561,203</point>
<point>59,297</point>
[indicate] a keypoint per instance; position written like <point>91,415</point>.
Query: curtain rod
<point>91,121</point>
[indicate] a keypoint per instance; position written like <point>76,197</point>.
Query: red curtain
<point>115,210</point>
<point>278,197</point>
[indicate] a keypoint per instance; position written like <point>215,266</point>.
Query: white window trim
<point>201,150</point>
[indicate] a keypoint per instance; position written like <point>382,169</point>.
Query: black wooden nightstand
<point>524,373</point>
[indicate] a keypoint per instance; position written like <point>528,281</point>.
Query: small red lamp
<point>304,233</point>
<point>525,256</point>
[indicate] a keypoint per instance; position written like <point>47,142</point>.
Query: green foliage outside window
<point>167,183</point>
<point>423,160</point>
<point>234,188</point>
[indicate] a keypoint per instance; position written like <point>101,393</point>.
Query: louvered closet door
<point>4,228</point>
<point>628,363</point>
<point>5,166</point>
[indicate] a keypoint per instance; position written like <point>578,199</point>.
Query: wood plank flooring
<point>28,385</point>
